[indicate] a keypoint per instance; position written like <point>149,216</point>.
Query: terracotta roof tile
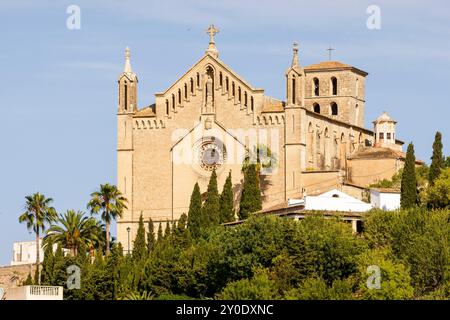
<point>145,112</point>
<point>328,65</point>
<point>272,105</point>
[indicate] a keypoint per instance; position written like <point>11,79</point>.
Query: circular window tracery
<point>211,153</point>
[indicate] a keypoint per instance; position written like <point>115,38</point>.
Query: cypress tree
<point>120,249</point>
<point>160,233</point>
<point>409,184</point>
<point>167,230</point>
<point>437,159</point>
<point>47,265</point>
<point>211,208</point>
<point>182,235</point>
<point>195,223</point>
<point>59,268</point>
<point>251,193</point>
<point>151,236</point>
<point>226,201</point>
<point>139,245</point>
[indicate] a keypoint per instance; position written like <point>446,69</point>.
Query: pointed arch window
<point>220,79</point>
<point>185,91</point>
<point>233,89</point>
<point>179,96</point>
<point>173,102</point>
<point>251,104</point>
<point>192,86</point>
<point>245,98</point>
<point>294,89</point>
<point>239,94</point>
<point>167,107</point>
<point>198,79</point>
<point>125,96</point>
<point>227,84</point>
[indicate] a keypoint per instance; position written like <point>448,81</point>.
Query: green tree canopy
<point>439,193</point>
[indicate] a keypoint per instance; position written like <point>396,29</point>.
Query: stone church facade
<point>212,119</point>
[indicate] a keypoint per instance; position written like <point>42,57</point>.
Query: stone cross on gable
<point>212,32</point>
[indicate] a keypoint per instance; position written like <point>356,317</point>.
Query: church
<point>210,118</point>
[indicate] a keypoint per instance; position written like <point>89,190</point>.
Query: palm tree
<point>73,230</point>
<point>37,213</point>
<point>111,203</point>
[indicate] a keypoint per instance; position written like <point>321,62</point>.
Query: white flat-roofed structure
<point>335,200</point>
<point>24,252</point>
<point>35,293</point>
<point>385,198</point>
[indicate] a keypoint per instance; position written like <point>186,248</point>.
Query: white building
<point>335,200</point>
<point>24,252</point>
<point>385,198</point>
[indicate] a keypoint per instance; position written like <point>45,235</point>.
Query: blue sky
<point>59,94</point>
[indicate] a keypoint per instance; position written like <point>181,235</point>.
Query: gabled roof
<point>213,60</point>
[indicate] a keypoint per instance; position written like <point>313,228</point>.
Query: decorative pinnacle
<point>127,60</point>
<point>212,31</point>
<point>295,55</point>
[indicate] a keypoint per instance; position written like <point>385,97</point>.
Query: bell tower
<point>295,116</point>
<point>127,107</point>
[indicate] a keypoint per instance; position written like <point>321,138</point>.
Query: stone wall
<point>13,276</point>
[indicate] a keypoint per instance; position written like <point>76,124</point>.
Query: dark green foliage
<point>437,159</point>
<point>211,208</point>
<point>419,239</point>
<point>28,281</point>
<point>409,196</point>
<point>447,162</point>
<point>139,246</point>
<point>259,287</point>
<point>317,289</point>
<point>47,265</point>
<point>160,233</point>
<point>195,219</point>
<point>181,235</point>
<point>227,201</point>
<point>251,193</point>
<point>151,241</point>
<point>167,231</point>
<point>269,257</point>
<point>438,195</point>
